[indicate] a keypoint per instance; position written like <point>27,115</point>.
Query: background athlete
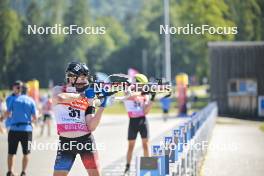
<point>46,111</point>
<point>137,106</point>
<point>76,120</point>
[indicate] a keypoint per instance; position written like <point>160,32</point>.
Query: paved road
<point>110,135</point>
<point>236,149</point>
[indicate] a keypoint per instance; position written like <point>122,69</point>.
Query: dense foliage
<point>131,27</point>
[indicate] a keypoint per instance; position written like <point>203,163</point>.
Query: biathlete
<point>137,106</point>
<point>46,111</point>
<point>76,120</point>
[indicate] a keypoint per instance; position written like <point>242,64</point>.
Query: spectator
<point>165,104</point>
<point>21,110</point>
<point>2,110</point>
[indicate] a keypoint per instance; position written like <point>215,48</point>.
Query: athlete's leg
<point>25,160</point>
<point>145,146</point>
<point>93,172</point>
<point>42,126</point>
<point>131,145</point>
<point>49,126</point>
<point>144,132</point>
<point>13,140</point>
<point>91,163</point>
<point>10,162</point>
<point>165,114</point>
<point>63,163</point>
<point>132,135</point>
<point>26,139</point>
<point>60,173</point>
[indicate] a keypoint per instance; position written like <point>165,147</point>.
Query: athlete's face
<point>80,83</point>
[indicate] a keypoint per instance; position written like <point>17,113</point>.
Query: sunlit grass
<point>118,107</point>
<point>262,127</point>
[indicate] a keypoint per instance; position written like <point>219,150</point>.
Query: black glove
<point>153,95</point>
<point>167,96</point>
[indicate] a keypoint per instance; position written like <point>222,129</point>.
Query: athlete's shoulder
<point>131,98</point>
<point>57,90</point>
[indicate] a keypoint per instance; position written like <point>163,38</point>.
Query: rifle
<point>122,83</point>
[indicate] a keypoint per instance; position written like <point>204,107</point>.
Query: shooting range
<point>237,79</point>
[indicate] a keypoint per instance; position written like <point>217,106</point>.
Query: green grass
<point>201,87</point>
<point>4,92</point>
<point>262,127</point>
<point>118,108</point>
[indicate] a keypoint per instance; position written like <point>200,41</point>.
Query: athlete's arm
<point>148,107</point>
<point>149,104</point>
<point>63,97</point>
<point>127,95</point>
<point>93,120</point>
<point>67,97</point>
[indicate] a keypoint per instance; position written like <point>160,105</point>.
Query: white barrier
<point>183,152</point>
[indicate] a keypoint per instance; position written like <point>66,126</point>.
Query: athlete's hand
<point>104,98</point>
<point>89,93</point>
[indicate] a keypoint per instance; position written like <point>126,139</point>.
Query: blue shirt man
<point>22,108</point>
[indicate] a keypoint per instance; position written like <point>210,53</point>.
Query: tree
<point>114,39</point>
<point>131,27</point>
<point>10,26</point>
<point>75,45</point>
<point>191,50</point>
<point>247,17</point>
<point>118,9</point>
